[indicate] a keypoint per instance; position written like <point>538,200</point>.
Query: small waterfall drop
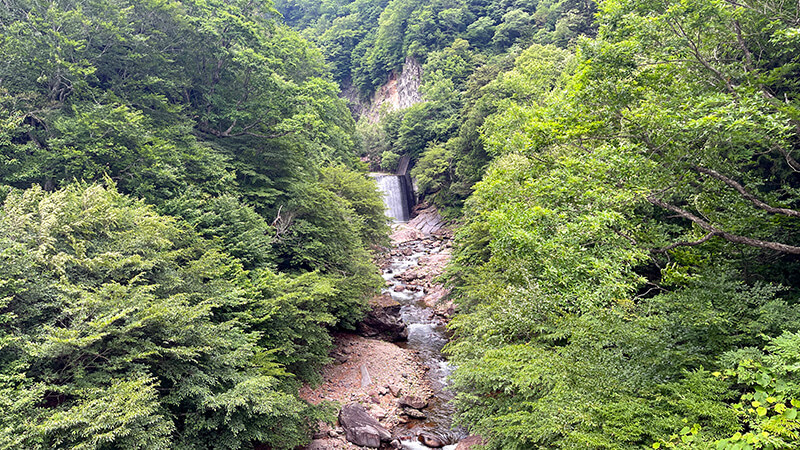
<point>397,195</point>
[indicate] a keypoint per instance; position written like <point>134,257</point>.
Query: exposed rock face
<point>399,92</point>
<point>413,413</point>
<point>383,323</point>
<point>427,219</point>
<point>362,429</point>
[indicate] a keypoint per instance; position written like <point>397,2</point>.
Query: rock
<point>396,444</point>
<point>385,300</point>
<point>413,413</point>
<point>365,378</point>
<point>319,435</point>
<point>318,444</point>
<point>378,413</point>
<point>430,440</point>
<point>360,428</point>
<point>470,442</point>
<point>427,219</point>
<point>340,358</point>
<point>413,402</point>
<point>399,288</point>
<point>395,390</point>
<point>383,323</point>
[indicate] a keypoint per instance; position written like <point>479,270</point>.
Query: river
<point>427,335</point>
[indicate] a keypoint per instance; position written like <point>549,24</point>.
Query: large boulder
<point>429,440</point>
<point>383,323</point>
<point>413,413</point>
<point>413,402</point>
<point>360,428</point>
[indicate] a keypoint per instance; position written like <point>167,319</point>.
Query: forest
<point>187,218</point>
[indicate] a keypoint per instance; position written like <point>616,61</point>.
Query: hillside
<point>626,184</point>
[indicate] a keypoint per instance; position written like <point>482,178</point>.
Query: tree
<point>119,332</point>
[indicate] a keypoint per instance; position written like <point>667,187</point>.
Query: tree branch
<point>678,29</point>
<point>741,190</point>
<point>793,164</point>
<point>686,243</point>
<point>735,238</point>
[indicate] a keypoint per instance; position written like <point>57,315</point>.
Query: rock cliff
<point>399,92</point>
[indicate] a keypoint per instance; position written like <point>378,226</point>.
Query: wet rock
<point>413,413</point>
<point>412,402</point>
<point>468,443</point>
<point>430,440</point>
<point>383,323</point>
<point>360,428</point>
<point>399,288</point>
<point>396,444</point>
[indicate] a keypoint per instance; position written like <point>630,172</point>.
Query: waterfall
<point>397,195</point>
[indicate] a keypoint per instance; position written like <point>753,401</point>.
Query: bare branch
<point>735,238</point>
<point>741,190</point>
<point>686,243</point>
<point>793,164</point>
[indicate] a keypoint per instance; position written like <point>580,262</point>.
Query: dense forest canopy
<point>626,184</point>
<point>627,269</point>
<point>185,219</point>
<point>184,223</point>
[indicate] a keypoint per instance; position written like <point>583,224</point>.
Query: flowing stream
<point>426,335</point>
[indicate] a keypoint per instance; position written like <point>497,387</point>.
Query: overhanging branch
<point>686,243</point>
<point>744,193</point>
<point>714,231</point>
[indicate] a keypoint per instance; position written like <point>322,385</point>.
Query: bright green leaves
<point>125,320</point>
<point>122,327</point>
<point>125,413</point>
<point>592,236</point>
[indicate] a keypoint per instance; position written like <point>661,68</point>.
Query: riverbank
<point>376,373</point>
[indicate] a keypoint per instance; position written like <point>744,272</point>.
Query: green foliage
<point>628,238</point>
<point>119,332</point>
<point>171,321</point>
<point>389,161</point>
<point>365,41</point>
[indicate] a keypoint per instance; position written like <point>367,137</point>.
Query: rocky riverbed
<point>393,371</point>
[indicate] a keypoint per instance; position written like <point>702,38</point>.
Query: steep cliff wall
<point>399,92</point>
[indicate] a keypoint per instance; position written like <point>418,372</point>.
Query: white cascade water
<point>395,196</point>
